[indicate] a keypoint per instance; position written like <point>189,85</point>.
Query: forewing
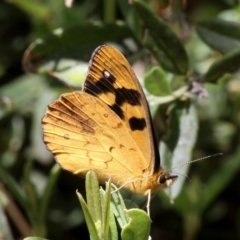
<point>111,79</point>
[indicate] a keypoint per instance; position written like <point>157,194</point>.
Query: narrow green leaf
<point>160,56</point>
<point>132,18</point>
<point>40,9</point>
<point>112,227</point>
<point>109,11</point>
<point>93,197</point>
<point>113,234</point>
<point>178,146</point>
<point>221,35</point>
<point>139,226</point>
<point>107,207</point>
<point>89,220</point>
<point>106,210</point>
<point>32,200</point>
<point>230,63</point>
<point>49,189</point>
<point>118,207</point>
<point>14,187</point>
<point>164,37</point>
<point>156,82</point>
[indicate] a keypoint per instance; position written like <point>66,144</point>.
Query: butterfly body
<point>107,127</point>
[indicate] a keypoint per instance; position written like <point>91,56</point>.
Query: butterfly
<point>107,127</point>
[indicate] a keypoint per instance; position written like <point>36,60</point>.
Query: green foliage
<point>157,83</point>
<point>190,63</point>
<point>99,216</point>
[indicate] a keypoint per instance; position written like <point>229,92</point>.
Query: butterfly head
<point>159,180</point>
<point>166,180</point>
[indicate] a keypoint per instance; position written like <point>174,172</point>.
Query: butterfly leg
<point>148,202</point>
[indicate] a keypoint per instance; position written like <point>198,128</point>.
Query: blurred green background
<point>186,54</point>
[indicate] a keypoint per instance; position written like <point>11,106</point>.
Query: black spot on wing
<point>130,96</point>
<point>117,109</point>
<point>103,85</point>
<point>122,94</point>
<point>137,123</point>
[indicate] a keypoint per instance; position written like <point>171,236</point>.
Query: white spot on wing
<point>106,74</point>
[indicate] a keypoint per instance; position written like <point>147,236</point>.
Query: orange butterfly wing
<point>106,127</point>
<point>84,135</point>
<point>111,79</point>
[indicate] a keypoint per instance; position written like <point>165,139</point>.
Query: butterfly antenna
<point>196,160</point>
<point>184,175</point>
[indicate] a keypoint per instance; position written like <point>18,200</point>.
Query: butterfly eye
<point>165,179</point>
<point>162,179</point>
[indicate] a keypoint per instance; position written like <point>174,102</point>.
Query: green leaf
<point>109,11</point>
<point>108,220</point>
<point>221,35</point>
<point>230,63</point>
<point>98,209</point>
<point>89,220</point>
<point>32,201</point>
<point>106,210</point>
<point>13,96</point>
<point>164,38</point>
<point>156,82</point>
<point>163,59</point>
<point>131,18</point>
<point>48,192</point>
<point>109,223</point>
<point>139,226</point>
<point>112,226</point>
<point>40,10</point>
<point>177,148</point>
<point>74,76</point>
<point>118,207</point>
<point>177,94</point>
<point>14,188</point>
<point>38,148</point>
<point>93,197</point>
<point>65,48</point>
